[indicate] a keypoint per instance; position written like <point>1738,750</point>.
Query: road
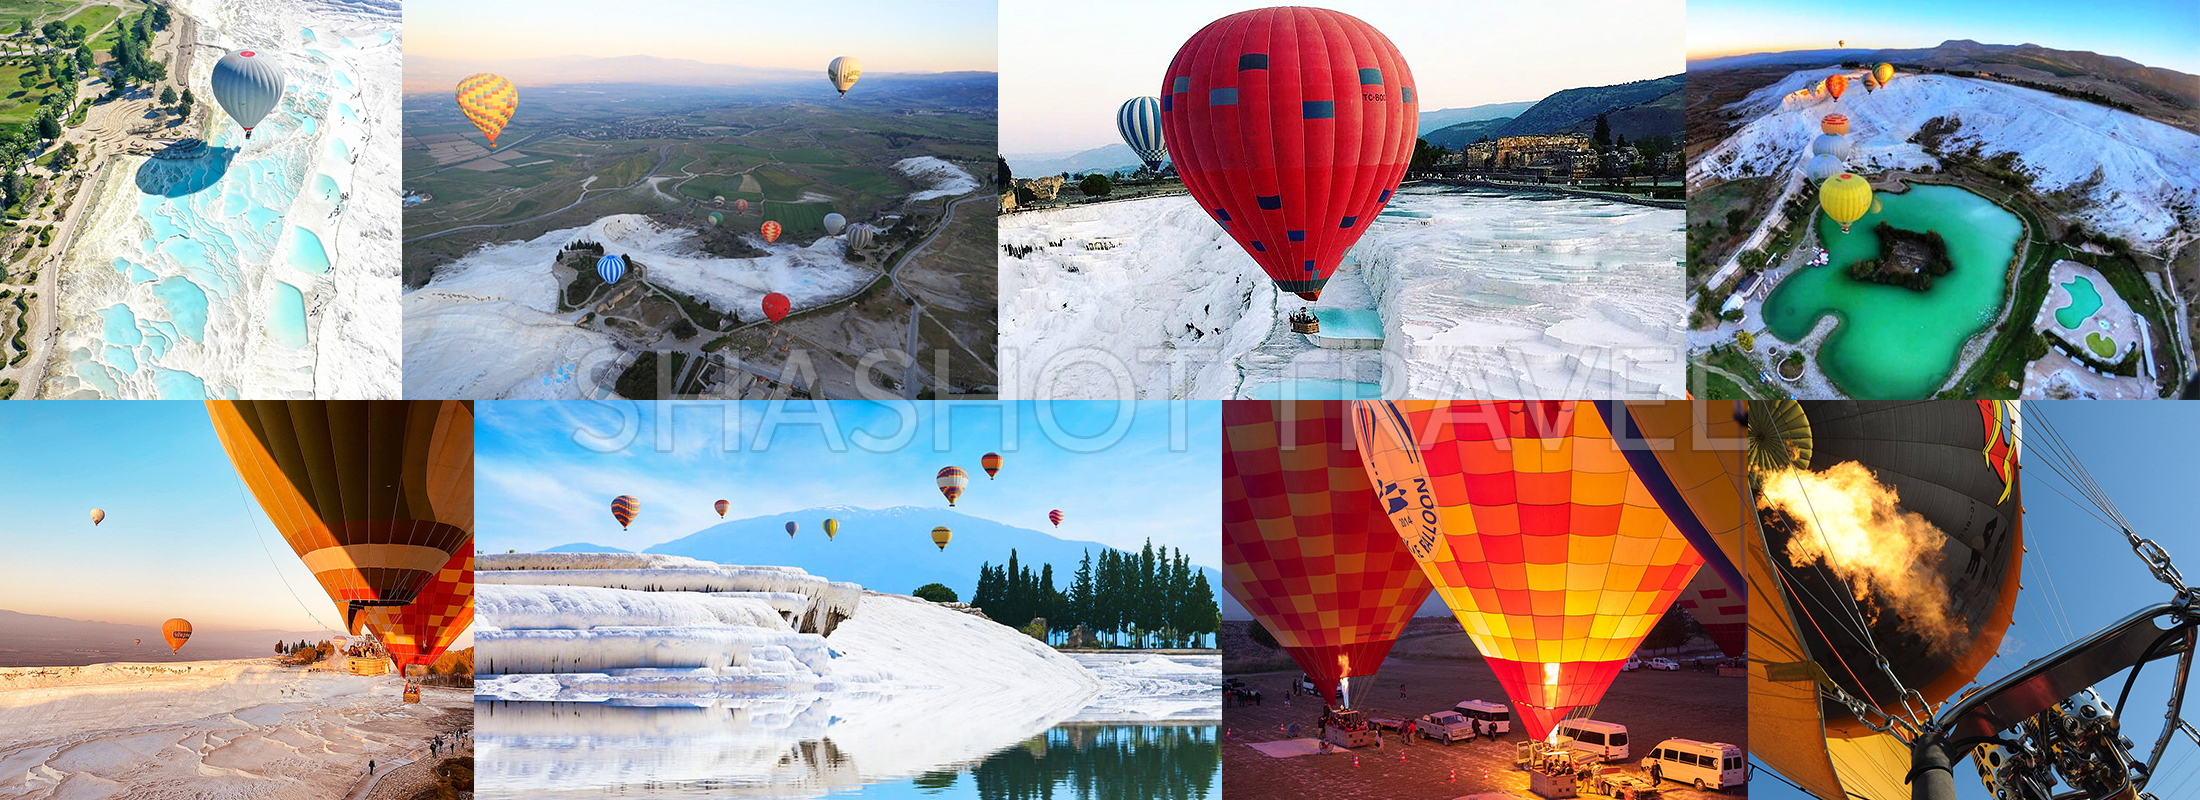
<point>663,155</point>
<point>916,307</point>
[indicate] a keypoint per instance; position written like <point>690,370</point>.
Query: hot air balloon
<point>1837,84</point>
<point>1823,166</point>
<point>1722,612</point>
<point>834,224</point>
<point>721,506</point>
<point>717,219</point>
<point>940,535</point>
<point>740,206</point>
<point>832,527</point>
<point>1830,144</point>
<point>1291,127</point>
<point>1055,517</point>
<point>952,481</point>
<point>859,236</point>
<point>137,641</point>
<point>1884,73</point>
<point>843,73</point>
<point>417,634</point>
<point>770,230</point>
<point>98,516</point>
<point>1529,519</point>
<point>176,631</point>
<point>1139,121</point>
<point>611,267</point>
<point>776,306</point>
<point>790,530</point>
<point>1817,89</point>
<point>623,509</point>
<point>1836,124</point>
<point>1951,464</point>
<point>489,101</point>
<point>1305,547</point>
<point>992,464</point>
<point>373,495</point>
<point>1845,198</point>
<point>247,84</point>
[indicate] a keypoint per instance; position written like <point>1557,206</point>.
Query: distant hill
<point>1447,117</point>
<point>1465,133</point>
<point>35,640</point>
<point>887,549</point>
<point>585,547</point>
<point>1663,116</point>
<point>1566,111</point>
<point>1106,158</point>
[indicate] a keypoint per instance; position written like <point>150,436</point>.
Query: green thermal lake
<point>1892,342</point>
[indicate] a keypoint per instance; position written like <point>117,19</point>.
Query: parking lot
<point>1654,706</point>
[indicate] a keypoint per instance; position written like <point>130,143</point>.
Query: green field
<point>780,184</point>
<point>705,187</point>
<point>93,18</point>
<point>19,104</point>
<point>13,12</point>
<point>798,216</point>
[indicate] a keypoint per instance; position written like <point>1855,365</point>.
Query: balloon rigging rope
<point>239,484</point>
<point>1847,600</point>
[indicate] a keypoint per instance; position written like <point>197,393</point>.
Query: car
<point>1666,664</point>
<point>1706,765</point>
<point>1601,741</point>
<point>1444,726</point>
<point>1490,719</point>
<point>1633,664</point>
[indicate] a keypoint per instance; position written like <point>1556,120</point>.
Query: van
<point>1706,765</point>
<point>1490,719</point>
<point>1604,741</point>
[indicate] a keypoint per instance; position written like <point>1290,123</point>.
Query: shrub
<point>1095,185</point>
<point>935,592</point>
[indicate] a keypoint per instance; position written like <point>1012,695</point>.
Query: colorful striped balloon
<point>623,509</point>
<point>992,464</point>
<point>418,633</point>
<point>489,101</point>
<point>1055,516</point>
<point>952,481</point>
<point>1139,121</point>
<point>770,230</point>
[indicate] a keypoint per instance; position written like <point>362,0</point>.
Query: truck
<point>1445,726</point>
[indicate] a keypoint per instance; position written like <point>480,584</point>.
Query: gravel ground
<point>1655,706</point>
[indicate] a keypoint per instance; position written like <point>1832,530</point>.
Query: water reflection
<point>1085,762</point>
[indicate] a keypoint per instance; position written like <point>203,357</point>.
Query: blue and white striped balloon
<point>610,268</point>
<point>1139,120</point>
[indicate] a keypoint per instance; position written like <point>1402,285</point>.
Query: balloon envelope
<point>247,83</point>
<point>1305,547</point>
<point>776,306</point>
<point>1834,124</point>
<point>832,528</point>
<point>1837,84</point>
<point>176,631</point>
<point>834,224</point>
<point>843,72</point>
<point>373,495</point>
<point>790,530</point>
<point>611,267</point>
<point>1884,73</point>
<point>488,101</point>
<point>940,535</point>
<point>1830,144</point>
<point>992,464</point>
<point>1139,122</point>
<point>952,481</point>
<point>770,230</point>
<point>1824,165</point>
<point>1055,517</point>
<point>1845,197</point>
<point>1531,523</point>
<point>419,632</point>
<point>859,236</point>
<point>721,507</point>
<point>740,206</point>
<point>623,509</point>
<point>98,516</point>
<point>1291,127</point>
<point>717,219</point>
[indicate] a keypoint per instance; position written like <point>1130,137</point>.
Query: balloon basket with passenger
<point>1305,322</point>
<point>412,692</point>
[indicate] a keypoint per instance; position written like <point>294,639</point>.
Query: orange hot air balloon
<point>721,506</point>
<point>1305,547</point>
<point>176,631</point>
<point>375,496</point>
<point>770,231</point>
<point>1528,518</point>
<point>992,464</point>
<point>1836,124</point>
<point>1836,85</point>
<point>417,634</point>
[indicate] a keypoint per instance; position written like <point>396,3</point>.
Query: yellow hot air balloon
<point>832,526</point>
<point>1884,73</point>
<point>1846,198</point>
<point>489,101</point>
<point>843,72</point>
<point>940,535</point>
<point>176,631</point>
<point>98,516</point>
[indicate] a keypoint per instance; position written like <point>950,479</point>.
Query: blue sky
<point>2080,575</point>
<point>2157,33</point>
<point>888,35</point>
<point>183,537</point>
<point>547,471</point>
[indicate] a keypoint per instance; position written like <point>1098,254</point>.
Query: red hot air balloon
<point>1836,85</point>
<point>721,506</point>
<point>740,206</point>
<point>623,509</point>
<point>1291,127</point>
<point>775,306</point>
<point>1055,516</point>
<point>992,464</point>
<point>1305,546</point>
<point>418,633</point>
<point>770,231</point>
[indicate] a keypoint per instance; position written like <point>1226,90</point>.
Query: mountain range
<point>885,549</point>
<point>1636,110</point>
